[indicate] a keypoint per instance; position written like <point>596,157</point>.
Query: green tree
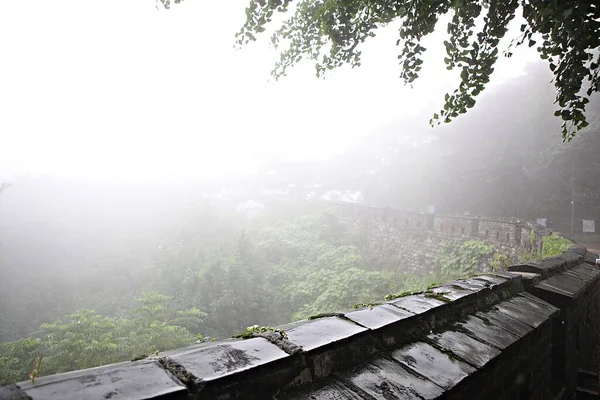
<point>87,339</point>
<point>331,32</point>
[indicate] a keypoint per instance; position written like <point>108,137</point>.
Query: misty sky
<point>117,90</point>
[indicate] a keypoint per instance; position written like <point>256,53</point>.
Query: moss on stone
<point>402,294</point>
<point>368,305</point>
<point>326,315</point>
<point>438,296</point>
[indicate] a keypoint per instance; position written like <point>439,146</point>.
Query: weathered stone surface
<point>584,271</point>
<point>488,333</point>
<point>590,258</point>
<point>551,294</point>
<point>438,367</point>
<point>529,278</point>
<point>131,380</point>
<point>417,304</point>
<point>492,280</point>
<point>505,322</point>
<point>565,283</point>
<point>333,390</point>
<point>321,332</point>
<point>385,379</point>
<point>527,301</point>
<point>526,312</point>
<point>467,348</point>
<point>378,316</point>
<point>548,266</point>
<point>227,358</point>
<point>472,284</point>
<point>13,392</point>
<point>452,292</point>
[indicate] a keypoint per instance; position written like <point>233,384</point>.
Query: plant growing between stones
<point>368,305</point>
<point>205,339</point>
<point>36,368</point>
<point>393,296</point>
<point>251,332</point>
<point>552,245</point>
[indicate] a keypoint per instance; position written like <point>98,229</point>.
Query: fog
<point>146,157</point>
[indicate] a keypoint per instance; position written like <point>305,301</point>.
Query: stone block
<point>417,304</point>
<point>431,363</point>
<point>321,332</point>
<point>506,322</point>
<point>470,350</point>
<point>144,379</point>
<point>488,333</point>
<point>13,392</point>
<point>453,292</point>
<point>473,284</point>
<point>227,358</point>
<point>379,316</point>
<point>526,311</point>
<point>385,379</point>
<point>332,390</point>
<point>492,280</point>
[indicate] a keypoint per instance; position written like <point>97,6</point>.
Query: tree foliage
<point>87,339</point>
<point>330,33</point>
<point>464,260</point>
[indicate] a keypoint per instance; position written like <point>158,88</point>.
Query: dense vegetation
<point>213,281</point>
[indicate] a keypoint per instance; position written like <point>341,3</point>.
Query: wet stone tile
<point>417,304</point>
<point>379,316</point>
<point>552,295</point>
<point>131,380</point>
<point>565,283</point>
<point>493,280</point>
<point>505,322</point>
<point>222,359</point>
<point>333,390</point>
<point>452,292</point>
<point>467,348</point>
<point>320,332</point>
<point>488,333</point>
<point>524,311</point>
<point>585,271</point>
<point>533,299</point>
<point>583,279</point>
<point>532,303</point>
<point>385,379</point>
<point>506,275</point>
<point>428,361</point>
<point>527,276</point>
<point>472,284</point>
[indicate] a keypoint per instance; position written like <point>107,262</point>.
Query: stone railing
<point>522,334</point>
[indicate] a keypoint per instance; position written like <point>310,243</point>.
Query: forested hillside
<point>95,273</point>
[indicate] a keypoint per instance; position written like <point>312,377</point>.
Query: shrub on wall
<point>554,245</point>
<point>464,260</point>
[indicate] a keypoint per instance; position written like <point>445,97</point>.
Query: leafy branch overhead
<point>331,32</point>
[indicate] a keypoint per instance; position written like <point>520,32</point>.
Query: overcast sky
<point>115,89</point>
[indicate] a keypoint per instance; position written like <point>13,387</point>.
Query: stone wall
<point>414,242</point>
<point>523,334</point>
<point>574,288</point>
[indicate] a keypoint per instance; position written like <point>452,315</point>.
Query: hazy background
<point>119,91</point>
<point>144,151</point>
